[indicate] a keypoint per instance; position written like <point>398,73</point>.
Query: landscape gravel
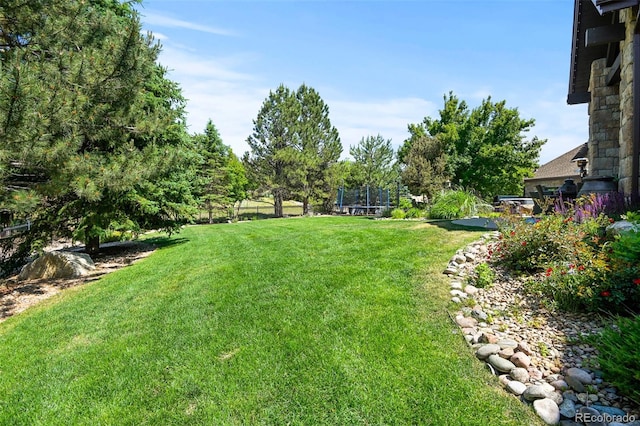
<point>539,353</point>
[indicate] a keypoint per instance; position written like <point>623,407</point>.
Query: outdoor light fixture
<point>582,164</point>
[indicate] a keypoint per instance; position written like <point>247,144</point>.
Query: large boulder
<point>58,264</point>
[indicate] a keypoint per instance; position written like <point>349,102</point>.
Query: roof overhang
<point>586,17</point>
<point>605,6</point>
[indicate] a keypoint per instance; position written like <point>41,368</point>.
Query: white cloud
<point>152,20</point>
<point>217,89</point>
<point>564,126</point>
<point>190,65</point>
<point>160,36</point>
<point>231,99</point>
<point>387,117</point>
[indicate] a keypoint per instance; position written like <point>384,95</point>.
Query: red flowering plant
<point>573,286</point>
<point>623,277</point>
<point>601,273</point>
<point>533,247</point>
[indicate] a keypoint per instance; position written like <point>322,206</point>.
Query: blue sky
<point>378,65</point>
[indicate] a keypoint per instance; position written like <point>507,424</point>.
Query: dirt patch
<point>16,296</point>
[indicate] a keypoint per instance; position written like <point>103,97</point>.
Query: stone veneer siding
<point>625,138</point>
<point>604,123</point>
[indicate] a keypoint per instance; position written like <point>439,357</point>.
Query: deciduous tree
<point>486,147</point>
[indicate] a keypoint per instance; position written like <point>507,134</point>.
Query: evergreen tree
<point>293,147</point>
<point>273,136</point>
<point>425,170</point>
<point>317,151</point>
<point>93,132</point>
<point>222,176</point>
<point>374,159</point>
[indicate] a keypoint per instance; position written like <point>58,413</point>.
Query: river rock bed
<point>539,355</point>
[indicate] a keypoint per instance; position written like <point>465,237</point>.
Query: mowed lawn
<point>297,321</point>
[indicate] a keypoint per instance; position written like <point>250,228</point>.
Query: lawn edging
<point>540,356</point>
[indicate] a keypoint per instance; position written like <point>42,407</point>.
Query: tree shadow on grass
<point>450,226</point>
<point>165,241</point>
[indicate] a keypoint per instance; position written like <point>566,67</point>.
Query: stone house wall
<point>611,114</point>
<point>604,122</point>
<point>626,102</point>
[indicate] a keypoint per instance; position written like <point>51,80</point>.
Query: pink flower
<point>548,272</point>
<point>524,243</point>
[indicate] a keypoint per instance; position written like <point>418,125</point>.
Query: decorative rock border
<point>537,354</point>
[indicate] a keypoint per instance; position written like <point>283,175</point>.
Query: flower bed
<point>546,324</point>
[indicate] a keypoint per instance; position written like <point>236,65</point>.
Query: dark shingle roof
<point>562,166</point>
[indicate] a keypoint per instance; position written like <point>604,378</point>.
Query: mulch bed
<point>16,296</point>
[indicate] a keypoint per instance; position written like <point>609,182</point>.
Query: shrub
<point>571,287</point>
<point>386,213</point>
<point>583,268</point>
<point>620,282</point>
<point>415,213</point>
<point>483,276</point>
<point>532,247</point>
<point>405,204</point>
<point>457,204</point>
<point>618,358</point>
<point>398,214</point>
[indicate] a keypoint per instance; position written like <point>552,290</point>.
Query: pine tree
<point>93,132</point>
<point>273,138</point>
<point>294,147</point>
<point>317,152</point>
<point>374,161</point>
<point>222,177</point>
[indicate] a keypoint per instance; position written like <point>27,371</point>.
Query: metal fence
<point>12,230</point>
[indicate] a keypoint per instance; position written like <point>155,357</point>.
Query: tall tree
<point>425,170</point>
<point>293,146</point>
<point>222,179</point>
<point>273,135</point>
<point>317,151</point>
<point>486,147</point>
<point>93,132</point>
<point>374,159</point>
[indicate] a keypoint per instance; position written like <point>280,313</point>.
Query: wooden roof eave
<point>605,6</point>
<point>586,16</point>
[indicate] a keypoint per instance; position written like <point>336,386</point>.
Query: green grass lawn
<point>296,321</point>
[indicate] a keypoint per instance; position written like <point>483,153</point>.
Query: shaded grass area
<point>300,321</point>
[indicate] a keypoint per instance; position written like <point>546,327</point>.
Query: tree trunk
<point>305,206</point>
<point>209,210</point>
<point>277,203</point>
<point>92,244</point>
